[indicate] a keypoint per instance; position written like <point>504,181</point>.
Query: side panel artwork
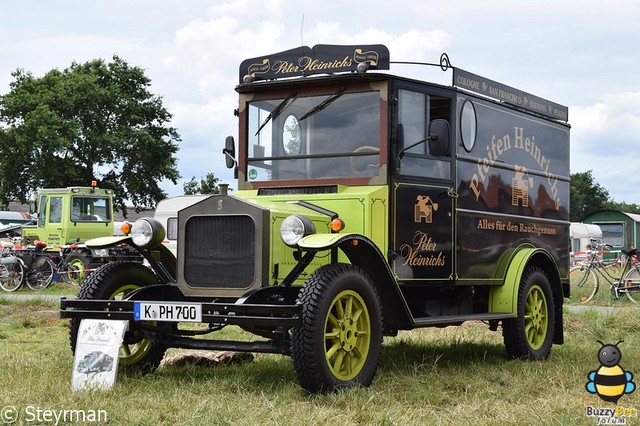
<point>513,189</point>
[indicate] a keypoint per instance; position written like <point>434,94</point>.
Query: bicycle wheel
<point>584,284</point>
<point>632,283</point>
<point>11,276</point>
<point>40,274</point>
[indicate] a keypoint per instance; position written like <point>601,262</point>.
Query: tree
<point>92,121</point>
<point>623,207</point>
<point>586,196</point>
<point>207,185</point>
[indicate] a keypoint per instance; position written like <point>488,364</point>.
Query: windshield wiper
<point>277,110</point>
<point>322,105</point>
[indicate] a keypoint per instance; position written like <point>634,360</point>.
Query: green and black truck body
<point>367,203</point>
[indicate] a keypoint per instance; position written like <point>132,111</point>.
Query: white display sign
<point>97,349</point>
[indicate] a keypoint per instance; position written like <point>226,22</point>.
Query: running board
<point>457,319</point>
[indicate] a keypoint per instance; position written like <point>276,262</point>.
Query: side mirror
<point>229,152</point>
<point>439,138</point>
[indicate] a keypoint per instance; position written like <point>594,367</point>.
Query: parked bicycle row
<point>622,275</point>
<point>36,267</point>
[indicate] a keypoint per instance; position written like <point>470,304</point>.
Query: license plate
<point>177,312</point>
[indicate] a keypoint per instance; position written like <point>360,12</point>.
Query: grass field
<point>456,375</point>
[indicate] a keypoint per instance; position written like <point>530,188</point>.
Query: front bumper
<point>257,315</point>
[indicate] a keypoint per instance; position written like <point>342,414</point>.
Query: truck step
<point>457,319</point>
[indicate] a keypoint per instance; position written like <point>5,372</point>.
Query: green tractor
<point>67,217</point>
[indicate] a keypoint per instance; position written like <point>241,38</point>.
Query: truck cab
<point>367,203</point>
<point>71,215</point>
<point>66,219</point>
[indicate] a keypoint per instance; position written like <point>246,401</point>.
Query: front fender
<point>322,241</point>
<point>363,252</point>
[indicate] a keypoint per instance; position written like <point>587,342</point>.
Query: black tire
<point>112,281</point>
<point>530,335</point>
<point>76,267</point>
<point>40,273</point>
<point>338,344</point>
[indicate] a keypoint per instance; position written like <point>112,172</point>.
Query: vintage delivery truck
<point>367,203</point>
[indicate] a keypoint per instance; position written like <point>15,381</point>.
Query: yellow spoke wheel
<point>347,335</point>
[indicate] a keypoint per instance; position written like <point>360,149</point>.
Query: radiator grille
<point>219,251</point>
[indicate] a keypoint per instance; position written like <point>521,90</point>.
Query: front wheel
<point>338,344</point>
<point>530,335</point>
<point>113,281</point>
<point>584,284</point>
<point>11,275</point>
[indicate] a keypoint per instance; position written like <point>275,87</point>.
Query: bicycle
<point>11,269</point>
<point>584,278</point>
<point>30,266</point>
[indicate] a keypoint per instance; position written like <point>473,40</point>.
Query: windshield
<point>90,209</point>
<point>309,137</point>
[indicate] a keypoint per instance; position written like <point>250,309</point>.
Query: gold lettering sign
<point>521,181</point>
<point>422,251</point>
<point>521,227</point>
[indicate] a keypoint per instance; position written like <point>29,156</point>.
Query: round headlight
<point>146,232</point>
<point>295,227</point>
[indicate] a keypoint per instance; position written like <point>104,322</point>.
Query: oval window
<point>291,142</point>
<point>468,125</point>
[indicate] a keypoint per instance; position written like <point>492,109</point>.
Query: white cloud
<point>605,138</point>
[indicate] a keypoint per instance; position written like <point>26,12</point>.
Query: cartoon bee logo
<point>610,381</point>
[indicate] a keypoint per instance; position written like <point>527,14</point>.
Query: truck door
<point>422,191</point>
<point>53,227</point>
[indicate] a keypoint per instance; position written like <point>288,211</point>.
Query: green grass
<point>57,288</point>
<point>455,375</point>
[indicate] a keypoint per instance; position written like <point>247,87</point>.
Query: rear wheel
<point>530,335</point>
<point>11,276</point>
<point>114,281</point>
<point>338,344</point>
<point>632,282</point>
<point>40,273</point>
<point>584,284</point>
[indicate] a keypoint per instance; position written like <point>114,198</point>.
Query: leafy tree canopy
<point>207,185</point>
<point>586,196</point>
<point>92,121</point>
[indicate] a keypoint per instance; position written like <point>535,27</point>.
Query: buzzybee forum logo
<point>610,381</point>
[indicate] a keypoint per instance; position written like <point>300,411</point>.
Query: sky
<point>580,53</point>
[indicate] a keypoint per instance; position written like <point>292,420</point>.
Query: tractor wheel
<point>113,281</point>
<point>530,335</point>
<point>76,266</point>
<point>338,344</point>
